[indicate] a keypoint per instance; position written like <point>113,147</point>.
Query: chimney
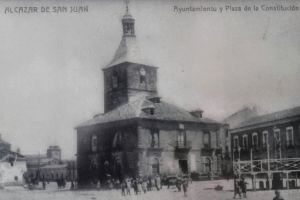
<point>197,113</point>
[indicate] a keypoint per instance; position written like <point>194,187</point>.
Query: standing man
<point>243,186</point>
<point>185,186</point>
<point>237,189</point>
<point>158,182</point>
<point>128,186</point>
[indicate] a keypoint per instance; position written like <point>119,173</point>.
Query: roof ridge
<point>271,114</point>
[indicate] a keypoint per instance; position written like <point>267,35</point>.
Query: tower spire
<point>128,22</point>
<point>127,9</point>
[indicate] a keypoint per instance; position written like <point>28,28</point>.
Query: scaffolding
<point>266,166</point>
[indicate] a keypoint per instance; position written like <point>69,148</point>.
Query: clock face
<point>142,72</point>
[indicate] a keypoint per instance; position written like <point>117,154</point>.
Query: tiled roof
<point>134,109</point>
<point>128,51</point>
<point>3,142</point>
<point>292,112</point>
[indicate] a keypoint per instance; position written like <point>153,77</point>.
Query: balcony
<point>154,150</point>
<point>183,145</point>
<point>207,151</point>
<point>182,149</point>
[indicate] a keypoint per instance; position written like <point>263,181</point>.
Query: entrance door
<point>183,166</point>
<point>277,181</point>
<point>155,166</point>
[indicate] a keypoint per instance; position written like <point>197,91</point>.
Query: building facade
<point>273,142</point>
<point>139,134</point>
<point>12,166</point>
<point>50,166</point>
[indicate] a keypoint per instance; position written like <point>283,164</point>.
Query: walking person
<point>139,186</point>
<point>128,186</point>
<point>243,186</point>
<point>44,185</point>
<point>185,187</point>
<point>144,185</point>
<point>149,185</point>
<point>123,188</point>
<point>157,182</point>
<point>152,183</point>
<point>237,189</point>
<point>135,187</point>
<point>178,184</point>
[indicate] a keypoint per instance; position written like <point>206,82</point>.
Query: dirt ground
<point>197,190</point>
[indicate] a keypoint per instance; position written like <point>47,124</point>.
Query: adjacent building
<point>139,134</point>
<point>50,166</point>
<point>267,147</point>
<point>12,165</point>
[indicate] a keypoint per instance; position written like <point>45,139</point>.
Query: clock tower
<point>128,74</point>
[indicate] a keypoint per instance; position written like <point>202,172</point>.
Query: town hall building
<point>139,134</point>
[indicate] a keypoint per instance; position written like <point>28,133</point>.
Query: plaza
<point>197,190</point>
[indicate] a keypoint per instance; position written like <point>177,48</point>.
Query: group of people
<point>240,187</point>
<point>140,185</point>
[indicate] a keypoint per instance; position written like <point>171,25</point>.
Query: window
<point>289,136</point>
<point>206,138</point>
<point>181,138</point>
<point>94,143</point>
<point>218,139</point>
<point>115,80</point>
<point>142,76</point>
<point>181,126</point>
<point>226,149</point>
<point>254,141</point>
<point>151,111</point>
<point>245,141</point>
<point>117,141</point>
<point>154,139</point>
<point>277,138</point>
<point>226,133</point>
<point>265,140</point>
<point>236,142</point>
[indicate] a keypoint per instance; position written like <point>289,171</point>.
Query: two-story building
<point>139,134</point>
<point>271,145</point>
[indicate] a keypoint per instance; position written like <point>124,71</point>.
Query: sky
<point>50,64</point>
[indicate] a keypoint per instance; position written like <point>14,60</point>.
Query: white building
<point>12,168</point>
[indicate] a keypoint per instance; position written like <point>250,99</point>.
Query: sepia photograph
<point>162,99</point>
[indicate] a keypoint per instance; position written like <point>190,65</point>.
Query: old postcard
<point>161,99</point>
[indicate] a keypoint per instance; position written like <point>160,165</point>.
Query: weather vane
<point>127,2</point>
